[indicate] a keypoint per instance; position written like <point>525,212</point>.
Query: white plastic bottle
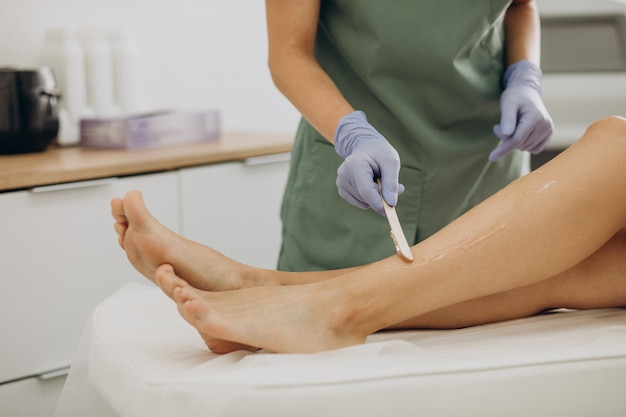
<point>126,69</point>
<point>64,54</point>
<point>99,72</point>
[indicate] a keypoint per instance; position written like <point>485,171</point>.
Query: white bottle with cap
<point>64,54</point>
<point>125,57</point>
<point>99,72</point>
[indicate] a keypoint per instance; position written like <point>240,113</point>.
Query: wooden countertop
<point>68,164</point>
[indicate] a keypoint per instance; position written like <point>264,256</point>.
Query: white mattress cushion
<point>144,360</point>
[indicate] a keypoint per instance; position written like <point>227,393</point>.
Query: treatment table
<point>138,358</point>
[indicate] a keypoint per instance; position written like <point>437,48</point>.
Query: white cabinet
<point>234,207</point>
<point>60,258</point>
<point>35,396</point>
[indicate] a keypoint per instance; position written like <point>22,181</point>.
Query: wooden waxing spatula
<point>397,235</point>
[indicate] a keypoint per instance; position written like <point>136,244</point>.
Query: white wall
<point>195,54</point>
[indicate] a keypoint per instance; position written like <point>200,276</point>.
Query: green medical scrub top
<point>427,73</point>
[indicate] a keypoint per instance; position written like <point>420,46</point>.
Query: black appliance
<point>29,101</point>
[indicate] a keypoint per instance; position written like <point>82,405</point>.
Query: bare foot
<point>296,318</point>
<point>149,244</point>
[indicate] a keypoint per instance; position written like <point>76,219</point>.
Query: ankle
<point>346,321</point>
<point>256,277</point>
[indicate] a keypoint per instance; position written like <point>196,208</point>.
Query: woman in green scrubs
<point>438,99</point>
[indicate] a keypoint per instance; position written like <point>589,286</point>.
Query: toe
<point>167,280</point>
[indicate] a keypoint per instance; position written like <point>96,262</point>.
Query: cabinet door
<point>235,207</point>
<point>30,397</point>
<point>60,258</point>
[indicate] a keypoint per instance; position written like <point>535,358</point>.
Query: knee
<point>611,122</point>
<point>611,129</point>
<point>608,133</point>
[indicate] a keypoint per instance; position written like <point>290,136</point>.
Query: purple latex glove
<point>368,156</point>
<point>525,123</point>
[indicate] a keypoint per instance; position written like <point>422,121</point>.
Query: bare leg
<point>149,244</point>
<point>590,284</point>
<point>539,227</point>
<point>597,282</point>
<point>228,315</point>
<point>235,314</point>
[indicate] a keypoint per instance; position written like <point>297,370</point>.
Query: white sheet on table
<point>139,358</point>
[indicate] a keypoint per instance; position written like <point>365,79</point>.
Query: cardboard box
<point>150,129</point>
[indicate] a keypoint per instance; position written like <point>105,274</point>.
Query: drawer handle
<point>74,185</point>
<point>268,159</point>
<point>55,374</point>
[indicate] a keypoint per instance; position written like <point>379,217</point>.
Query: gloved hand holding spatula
<point>368,156</point>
